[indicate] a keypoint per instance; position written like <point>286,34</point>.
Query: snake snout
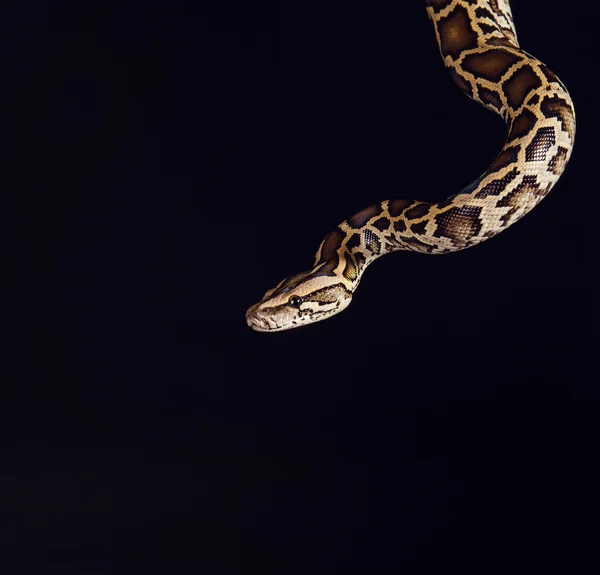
<point>256,320</point>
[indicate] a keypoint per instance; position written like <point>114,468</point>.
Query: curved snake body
<point>478,43</point>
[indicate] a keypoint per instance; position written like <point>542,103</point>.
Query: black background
<point>184,159</point>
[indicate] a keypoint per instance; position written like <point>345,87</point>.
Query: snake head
<point>298,300</point>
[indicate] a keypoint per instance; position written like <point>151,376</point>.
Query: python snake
<point>478,43</point>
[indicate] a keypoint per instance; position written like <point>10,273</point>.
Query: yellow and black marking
<point>478,43</point>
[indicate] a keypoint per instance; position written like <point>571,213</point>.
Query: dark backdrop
<point>184,159</point>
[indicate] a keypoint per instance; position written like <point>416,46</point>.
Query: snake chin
<point>260,321</point>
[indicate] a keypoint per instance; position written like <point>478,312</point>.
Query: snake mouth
<point>259,323</point>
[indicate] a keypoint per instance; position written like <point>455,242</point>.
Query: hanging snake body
<point>478,43</point>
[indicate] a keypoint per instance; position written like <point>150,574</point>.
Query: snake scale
<point>478,43</point>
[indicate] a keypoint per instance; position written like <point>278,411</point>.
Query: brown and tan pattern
<point>478,44</point>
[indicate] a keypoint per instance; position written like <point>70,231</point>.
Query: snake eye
<point>295,301</point>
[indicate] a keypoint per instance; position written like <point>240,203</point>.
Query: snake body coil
<point>478,43</point>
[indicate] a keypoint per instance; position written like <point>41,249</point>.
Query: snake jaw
<point>255,321</point>
<point>267,321</point>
